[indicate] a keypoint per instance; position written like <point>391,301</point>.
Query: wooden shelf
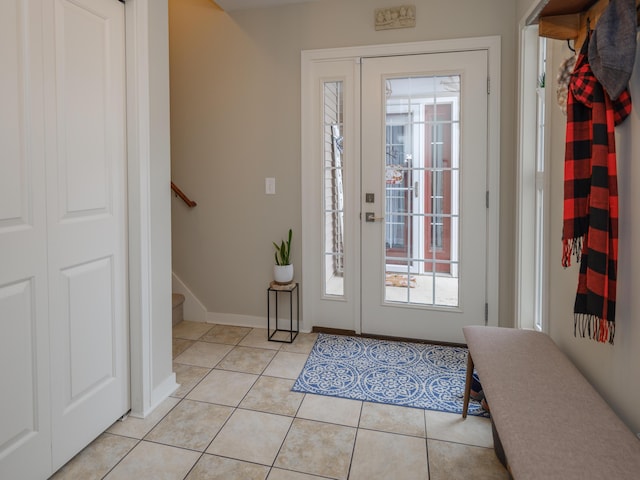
<point>565,7</point>
<point>567,19</point>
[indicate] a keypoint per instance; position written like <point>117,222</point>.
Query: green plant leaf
<point>283,251</point>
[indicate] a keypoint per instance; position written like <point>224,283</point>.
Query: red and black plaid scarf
<point>590,229</point>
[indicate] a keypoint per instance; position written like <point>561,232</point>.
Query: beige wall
<point>613,369</point>
<point>524,7</point>
<point>235,119</point>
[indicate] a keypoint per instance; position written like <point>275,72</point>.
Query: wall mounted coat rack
<point>569,19</point>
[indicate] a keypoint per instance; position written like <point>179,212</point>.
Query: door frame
<point>317,309</point>
<point>149,204</point>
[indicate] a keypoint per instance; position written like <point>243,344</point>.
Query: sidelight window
<point>333,188</point>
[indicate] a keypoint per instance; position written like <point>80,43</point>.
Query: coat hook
<point>569,45</point>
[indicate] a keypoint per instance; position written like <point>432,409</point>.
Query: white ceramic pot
<point>283,274</point>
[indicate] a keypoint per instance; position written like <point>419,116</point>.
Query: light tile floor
<point>235,417</point>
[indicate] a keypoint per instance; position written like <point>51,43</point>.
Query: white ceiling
<point>230,5</point>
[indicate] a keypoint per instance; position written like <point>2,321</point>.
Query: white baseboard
<point>158,395</point>
<point>237,320</point>
<point>246,321</point>
<point>194,310</point>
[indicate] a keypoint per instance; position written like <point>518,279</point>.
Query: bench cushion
<point>552,423</point>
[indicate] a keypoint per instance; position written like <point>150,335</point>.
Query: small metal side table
<point>276,289</point>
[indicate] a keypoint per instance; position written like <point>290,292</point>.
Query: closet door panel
<point>25,432</point>
<point>86,211</point>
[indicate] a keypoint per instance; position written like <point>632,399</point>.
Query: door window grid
<point>398,188</point>
<point>421,274</point>
<point>437,193</point>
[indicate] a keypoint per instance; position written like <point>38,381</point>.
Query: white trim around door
<point>330,180</point>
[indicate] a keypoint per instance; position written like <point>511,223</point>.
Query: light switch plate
<point>270,186</point>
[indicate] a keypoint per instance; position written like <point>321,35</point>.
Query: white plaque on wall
<point>403,16</point>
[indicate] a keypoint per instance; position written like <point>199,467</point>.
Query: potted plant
<point>283,269</point>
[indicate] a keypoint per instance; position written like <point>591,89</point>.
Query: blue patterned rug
<point>399,373</point>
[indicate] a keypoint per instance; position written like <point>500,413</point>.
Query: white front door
<point>63,256</point>
<point>424,184</point>
<point>86,212</point>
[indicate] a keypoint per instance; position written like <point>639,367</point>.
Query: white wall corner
<point>159,394</point>
<point>136,19</point>
<point>162,391</point>
<point>194,310</point>
<point>152,380</point>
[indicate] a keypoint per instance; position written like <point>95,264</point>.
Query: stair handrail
<point>179,193</point>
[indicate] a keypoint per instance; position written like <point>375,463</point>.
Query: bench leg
<point>467,386</point>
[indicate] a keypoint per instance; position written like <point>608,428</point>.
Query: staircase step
<point>177,315</point>
<point>178,299</point>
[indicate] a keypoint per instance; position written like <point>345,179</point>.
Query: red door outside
<point>437,178</point>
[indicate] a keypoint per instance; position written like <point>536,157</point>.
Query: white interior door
<point>424,226</point>
<point>25,429</point>
<point>63,281</point>
<point>86,212</point>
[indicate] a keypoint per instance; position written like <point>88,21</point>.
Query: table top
<point>280,287</point>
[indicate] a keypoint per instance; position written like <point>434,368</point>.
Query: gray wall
<point>524,7</point>
<point>613,369</point>
<point>235,119</point>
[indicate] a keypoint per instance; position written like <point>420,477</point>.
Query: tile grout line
<point>121,459</point>
<point>284,439</point>
<point>355,440</point>
<point>185,398</point>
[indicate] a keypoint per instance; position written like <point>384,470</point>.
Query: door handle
<point>371,217</point>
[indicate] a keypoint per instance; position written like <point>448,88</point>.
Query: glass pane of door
<point>422,189</point>
<point>333,188</point>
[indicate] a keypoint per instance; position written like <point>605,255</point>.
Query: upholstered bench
<point>551,422</point>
